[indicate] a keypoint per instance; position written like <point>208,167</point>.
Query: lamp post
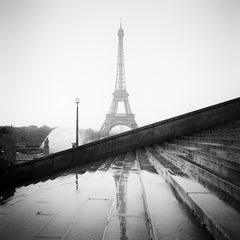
<point>77,100</point>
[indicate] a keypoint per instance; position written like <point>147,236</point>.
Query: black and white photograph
<point>119,120</point>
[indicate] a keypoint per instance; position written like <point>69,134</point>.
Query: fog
<point>179,56</point>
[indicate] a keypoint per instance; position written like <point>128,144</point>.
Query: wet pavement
<point>122,197</point>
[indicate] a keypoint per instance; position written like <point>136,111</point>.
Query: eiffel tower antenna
<point>113,118</point>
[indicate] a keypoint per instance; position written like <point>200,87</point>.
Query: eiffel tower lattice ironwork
<point>113,118</point>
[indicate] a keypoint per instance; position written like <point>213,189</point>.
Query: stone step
<point>228,152</point>
<point>227,124</point>
<point>220,218</point>
<point>202,174</point>
<point>232,124</point>
<point>199,153</point>
<point>234,127</point>
<point>223,131</point>
<point>232,135</point>
<point>226,173</point>
<point>225,141</point>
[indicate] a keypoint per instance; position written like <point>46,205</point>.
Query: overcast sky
<point>179,56</point>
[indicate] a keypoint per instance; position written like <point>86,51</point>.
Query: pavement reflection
<point>121,197</point>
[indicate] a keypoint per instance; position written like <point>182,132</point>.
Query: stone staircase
<point>211,156</point>
<point>219,214</point>
<point>204,169</point>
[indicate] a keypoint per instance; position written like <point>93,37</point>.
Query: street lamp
<point>77,100</point>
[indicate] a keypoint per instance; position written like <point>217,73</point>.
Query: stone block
<point>61,162</point>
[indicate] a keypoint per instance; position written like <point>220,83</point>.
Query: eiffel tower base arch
<point>111,121</point>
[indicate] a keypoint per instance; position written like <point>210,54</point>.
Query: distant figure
<point>46,147</point>
<point>74,145</point>
<point>7,147</point>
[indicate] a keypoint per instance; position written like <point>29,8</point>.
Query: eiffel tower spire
<point>120,79</point>
<point>120,95</point>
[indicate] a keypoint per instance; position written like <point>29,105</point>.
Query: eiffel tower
<point>113,118</point>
